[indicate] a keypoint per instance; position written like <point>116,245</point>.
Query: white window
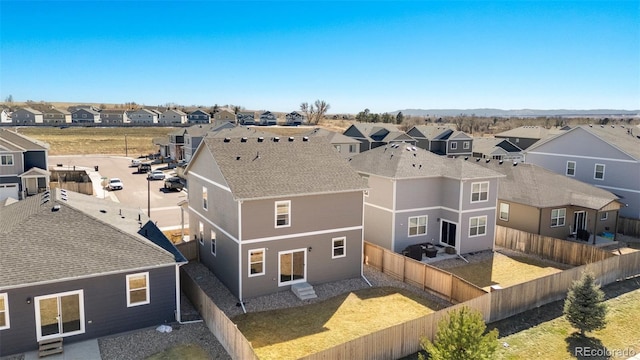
<point>598,172</point>
<point>477,226</point>
<point>504,211</point>
<point>557,217</point>
<point>454,146</point>
<point>352,148</point>
<point>479,191</point>
<point>465,145</point>
<point>137,289</point>
<point>213,242</point>
<point>6,160</point>
<point>205,199</point>
<point>339,247</point>
<point>571,168</point>
<point>256,262</point>
<point>283,213</point>
<point>4,311</point>
<point>604,216</point>
<point>417,225</point>
<point>337,147</point>
<point>201,232</point>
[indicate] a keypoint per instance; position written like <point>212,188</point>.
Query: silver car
<point>155,175</point>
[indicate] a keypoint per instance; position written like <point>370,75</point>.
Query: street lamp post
<point>149,198</point>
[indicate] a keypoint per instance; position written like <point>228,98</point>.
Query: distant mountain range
<point>517,113</point>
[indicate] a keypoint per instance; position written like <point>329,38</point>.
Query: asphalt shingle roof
<point>432,132</point>
<point>254,169</point>
<point>332,137</point>
<point>399,163</point>
<point>40,244</point>
<point>488,145</point>
<point>16,142</point>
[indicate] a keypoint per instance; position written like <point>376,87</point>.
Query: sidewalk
<point>96,181</point>
<point>83,350</point>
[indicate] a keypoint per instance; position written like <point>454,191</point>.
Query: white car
<point>135,163</point>
<point>115,184</point>
<point>155,175</point>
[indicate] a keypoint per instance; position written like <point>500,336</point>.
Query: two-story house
<point>143,117</point>
<point>274,214</point>
<point>344,145</point>
<point>172,117</point>
<point>539,201</point>
<point>246,118</point>
<point>5,116</point>
<point>193,135</point>
<point>55,116</point>
<point>225,115</point>
<point>525,136</point>
<point>23,166</point>
<point>295,119</point>
<point>198,116</point>
<point>79,268</point>
<point>85,116</point>
<point>373,135</point>
<point>27,116</point>
<point>114,117</point>
<point>604,156</point>
<point>496,149</point>
<point>442,140</point>
<point>417,196</point>
<point>268,118</point>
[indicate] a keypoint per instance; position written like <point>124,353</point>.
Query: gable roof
<point>13,141</point>
<point>488,145</point>
<point>268,169</point>
<point>404,162</point>
<point>431,131</point>
<point>175,111</point>
<point>222,131</point>
<point>199,111</point>
<point>623,138</point>
<point>113,111</point>
<point>532,185</point>
<point>371,130</point>
<point>90,111</point>
<point>30,110</point>
<point>84,237</point>
<point>332,137</point>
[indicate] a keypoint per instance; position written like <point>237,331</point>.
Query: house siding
<point>35,159</point>
<point>460,150</point>
<point>225,263</point>
<point>378,225</point>
<point>521,217</point>
<point>16,168</point>
<point>105,308</point>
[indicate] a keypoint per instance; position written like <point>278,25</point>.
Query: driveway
<point>137,190</point>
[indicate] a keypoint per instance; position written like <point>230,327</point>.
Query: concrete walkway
<point>83,350</point>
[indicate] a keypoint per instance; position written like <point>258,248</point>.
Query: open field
<point>504,269</point>
<point>295,332</point>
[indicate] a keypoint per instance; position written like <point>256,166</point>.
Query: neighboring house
<point>143,117</point>
<point>27,116</point>
<point>604,156</point>
<point>295,118</point>
<point>225,115</point>
<point>496,149</point>
<point>442,140</point>
<point>539,201</point>
<point>54,116</point>
<point>198,116</point>
<point>246,118</point>
<point>173,117</point>
<point>345,145</point>
<point>193,135</point>
<point>114,117</point>
<point>416,197</point>
<point>267,118</point>
<point>176,144</point>
<point>85,116</point>
<point>78,268</point>
<point>525,136</point>
<point>5,116</point>
<point>373,135</point>
<point>23,166</point>
<point>270,213</point>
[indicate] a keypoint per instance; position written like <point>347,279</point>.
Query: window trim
<point>213,243</point>
<point>205,198</point>
<point>7,156</point>
<point>147,289</point>
<point>453,145</point>
<point>604,216</point>
<point>201,232</point>
<point>507,212</point>
<point>426,221</point>
<point>566,172</point>
<point>465,145</point>
<point>288,223</point>
<point>480,183</point>
<point>5,311</point>
<point>486,223</point>
<point>557,218</point>
<point>263,261</point>
<point>344,247</point>
<point>353,148</point>
<point>595,172</point>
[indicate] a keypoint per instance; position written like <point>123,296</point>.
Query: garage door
<point>8,191</point>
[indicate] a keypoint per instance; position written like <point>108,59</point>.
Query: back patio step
<point>304,291</point>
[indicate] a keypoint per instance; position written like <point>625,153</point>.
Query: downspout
<point>362,246</point>
<point>240,256</point>
<point>539,221</point>
<point>595,227</point>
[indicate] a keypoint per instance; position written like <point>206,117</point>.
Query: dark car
<point>173,183</point>
<point>144,168</point>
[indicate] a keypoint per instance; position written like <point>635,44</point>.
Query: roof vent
<point>602,126</point>
<point>243,139</point>
<point>487,161</point>
<point>103,211</point>
<point>613,126</point>
<point>55,208</point>
<point>408,148</point>
<point>44,201</point>
<point>290,138</point>
<point>590,125</point>
<point>227,139</point>
<point>276,139</point>
<point>413,148</point>
<point>515,163</point>
<point>305,138</point>
<point>237,157</point>
<point>500,162</point>
<point>477,159</point>
<point>466,158</point>
<point>260,139</point>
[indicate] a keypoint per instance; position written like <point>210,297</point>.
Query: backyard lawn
<point>184,351</point>
<point>505,270</point>
<point>296,332</point>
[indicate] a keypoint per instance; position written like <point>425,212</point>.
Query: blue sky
<point>273,55</point>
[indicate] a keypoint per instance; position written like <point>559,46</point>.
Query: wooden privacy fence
<point>628,226</point>
<point>188,249</point>
<point>227,333</point>
<point>563,251</point>
<point>423,276</point>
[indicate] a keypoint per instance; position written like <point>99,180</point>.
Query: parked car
<point>144,168</point>
<point>115,184</point>
<point>155,175</point>
<point>173,183</point>
<point>135,163</point>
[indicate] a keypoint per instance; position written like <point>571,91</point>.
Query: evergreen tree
<point>584,307</point>
<point>399,118</point>
<point>461,336</point>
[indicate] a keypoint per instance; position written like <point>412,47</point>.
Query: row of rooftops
<point>44,109</point>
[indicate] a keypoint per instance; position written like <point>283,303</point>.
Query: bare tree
<point>321,109</point>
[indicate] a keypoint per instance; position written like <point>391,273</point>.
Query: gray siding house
<point>198,116</point>
<point>172,117</point>
<point>246,118</point>
<point>86,270</point>
<point>85,116</point>
<point>23,166</point>
<point>373,135</point>
<point>143,117</point>
<point>270,213</point>
<point>26,116</point>
<point>225,115</point>
<point>496,149</point>
<point>267,118</point>
<point>193,135</point>
<point>295,119</point>
<point>525,136</point>
<point>604,156</point>
<point>344,145</point>
<point>114,116</point>
<point>442,140</point>
<point>53,116</point>
<point>416,197</point>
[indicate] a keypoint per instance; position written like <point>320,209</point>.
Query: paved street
<point>164,208</point>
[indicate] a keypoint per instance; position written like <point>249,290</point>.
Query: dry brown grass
<point>175,236</point>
